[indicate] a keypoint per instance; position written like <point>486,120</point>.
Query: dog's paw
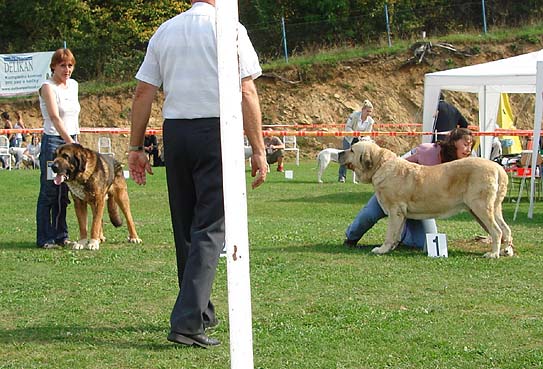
<point>380,250</point>
<point>80,245</point>
<point>320,181</point>
<point>134,240</point>
<point>93,244</point>
<point>508,251</point>
<point>492,255</point>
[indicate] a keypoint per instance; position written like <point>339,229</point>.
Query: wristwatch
<point>135,148</point>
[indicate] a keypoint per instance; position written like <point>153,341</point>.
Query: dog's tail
<point>113,211</point>
<point>318,162</point>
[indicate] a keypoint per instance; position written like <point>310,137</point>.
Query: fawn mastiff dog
<point>409,190</point>
<point>93,179</point>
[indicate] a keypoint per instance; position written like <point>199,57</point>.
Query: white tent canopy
<point>518,74</point>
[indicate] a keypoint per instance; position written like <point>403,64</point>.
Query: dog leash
<point>59,205</point>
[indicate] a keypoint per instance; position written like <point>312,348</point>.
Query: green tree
<point>108,37</point>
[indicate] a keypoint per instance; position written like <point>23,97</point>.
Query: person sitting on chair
<point>150,145</point>
<point>32,152</point>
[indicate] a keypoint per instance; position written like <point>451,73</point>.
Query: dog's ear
<point>57,151</point>
<point>366,161</point>
<point>80,161</point>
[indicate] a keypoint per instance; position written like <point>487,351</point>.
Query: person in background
<point>8,125</point>
<point>457,145</point>
<point>19,124</point>
<point>150,145</point>
<point>448,117</point>
<point>182,57</point>
<point>32,151</point>
<point>59,105</point>
<point>274,150</point>
<point>362,121</point>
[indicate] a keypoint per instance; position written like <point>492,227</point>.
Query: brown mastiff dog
<point>409,190</point>
<point>92,179</point>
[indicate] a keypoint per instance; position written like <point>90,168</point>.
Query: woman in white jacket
<point>358,121</point>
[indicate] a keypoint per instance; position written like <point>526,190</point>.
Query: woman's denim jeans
<point>51,224</point>
<point>413,234</point>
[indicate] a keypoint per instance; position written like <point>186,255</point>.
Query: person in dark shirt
<point>448,118</point>
<point>274,151</point>
<point>150,145</point>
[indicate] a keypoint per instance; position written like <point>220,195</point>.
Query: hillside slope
<point>324,94</point>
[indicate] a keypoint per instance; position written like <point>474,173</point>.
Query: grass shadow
<point>338,197</point>
<point>17,245</point>
<point>95,336</point>
<point>469,249</point>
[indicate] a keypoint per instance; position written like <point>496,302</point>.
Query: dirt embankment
<point>319,94</point>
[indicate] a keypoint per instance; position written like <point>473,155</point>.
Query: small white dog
<point>22,160</point>
<point>18,155</point>
<point>248,152</point>
<point>324,157</point>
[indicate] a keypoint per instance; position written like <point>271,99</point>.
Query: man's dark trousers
<point>192,152</point>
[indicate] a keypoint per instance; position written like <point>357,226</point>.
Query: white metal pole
<point>235,197</point>
<point>537,128</point>
<point>484,16</point>
<point>284,32</point>
<point>388,25</point>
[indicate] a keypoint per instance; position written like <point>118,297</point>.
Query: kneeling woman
<point>457,145</point>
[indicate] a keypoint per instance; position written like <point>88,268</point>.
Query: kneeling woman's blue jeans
<point>53,200</point>
<point>342,171</point>
<point>413,234</point>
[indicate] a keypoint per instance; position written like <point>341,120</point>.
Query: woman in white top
<point>59,105</point>
<point>358,121</point>
<point>32,151</point>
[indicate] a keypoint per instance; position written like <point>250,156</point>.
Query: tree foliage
<point>109,37</point>
<point>346,22</point>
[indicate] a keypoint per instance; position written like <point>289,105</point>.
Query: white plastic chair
<point>4,151</point>
<point>290,145</point>
<point>104,146</point>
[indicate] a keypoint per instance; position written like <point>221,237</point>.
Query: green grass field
<point>315,303</point>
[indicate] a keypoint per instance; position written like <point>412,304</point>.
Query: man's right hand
<point>259,168</point>
<point>138,165</point>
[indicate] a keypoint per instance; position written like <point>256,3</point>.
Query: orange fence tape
<point>326,126</point>
<point>158,131</point>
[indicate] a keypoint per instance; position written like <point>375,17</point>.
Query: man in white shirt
<point>182,57</point>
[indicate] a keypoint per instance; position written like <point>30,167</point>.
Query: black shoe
<point>350,243</point>
<point>211,324</point>
<point>65,243</point>
<point>193,339</point>
<point>50,245</point>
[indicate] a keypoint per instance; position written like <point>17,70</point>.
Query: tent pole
<point>537,129</point>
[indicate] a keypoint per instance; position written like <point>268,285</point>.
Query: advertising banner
<point>23,74</point>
